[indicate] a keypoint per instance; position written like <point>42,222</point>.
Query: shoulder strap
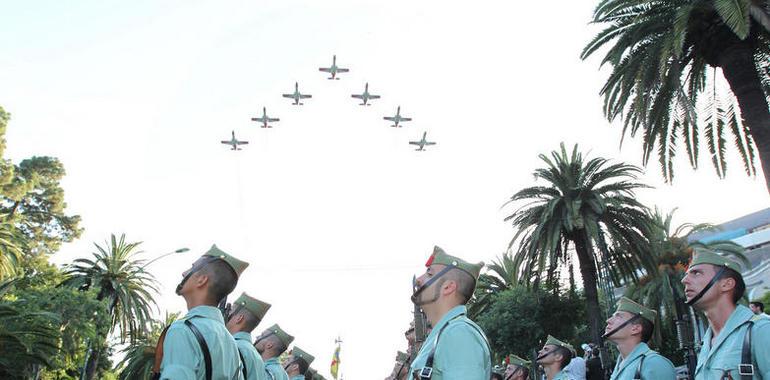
<point>746,368</point>
<point>243,363</point>
<point>155,375</point>
<point>204,347</point>
<point>270,374</point>
<point>638,374</point>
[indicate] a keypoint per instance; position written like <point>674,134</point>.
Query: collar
<point>639,350</point>
<point>740,315</point>
<point>242,335</point>
<point>205,311</point>
<point>298,377</point>
<point>272,361</point>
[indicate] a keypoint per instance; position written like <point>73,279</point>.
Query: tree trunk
<point>588,271</point>
<point>737,63</point>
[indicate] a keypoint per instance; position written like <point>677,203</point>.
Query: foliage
<point>661,52</point>
<point>28,340</point>
<point>501,274</point>
<point>518,319</point>
<point>11,249</point>
<point>140,356</point>
<point>119,277</point>
<point>585,205</point>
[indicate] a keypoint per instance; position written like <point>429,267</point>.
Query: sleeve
<point>461,354</point>
<point>658,368</point>
<point>180,356</point>
<point>759,342</point>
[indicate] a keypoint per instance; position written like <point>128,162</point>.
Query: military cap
<point>628,305</point>
<point>441,257</point>
<point>237,265</point>
<point>402,357</point>
<point>706,256</point>
<point>555,342</point>
<point>298,353</point>
<point>285,338</point>
<point>515,360</point>
<point>256,307</point>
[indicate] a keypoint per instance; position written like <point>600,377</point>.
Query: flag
<point>335,362</point>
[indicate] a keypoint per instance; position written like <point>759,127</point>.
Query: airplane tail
<point>398,110</point>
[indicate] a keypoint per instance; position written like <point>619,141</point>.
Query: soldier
<point>243,320</point>
<point>735,344</point>
<point>297,363</point>
<point>554,357</point>
<point>456,348</point>
<point>630,328</point>
<point>271,344</point>
<point>401,367</point>
<point>199,346</point>
<point>516,368</point>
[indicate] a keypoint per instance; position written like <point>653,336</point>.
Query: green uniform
<point>255,367</point>
<point>724,353</point>
<point>654,366</point>
<point>182,355</point>
<point>461,352</point>
<point>274,370</point>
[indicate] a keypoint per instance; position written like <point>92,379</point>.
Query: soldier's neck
<point>195,300</point>
<point>437,310</point>
<point>551,370</point>
<point>718,314</point>
<point>627,346</point>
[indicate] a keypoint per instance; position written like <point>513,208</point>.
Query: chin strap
<point>509,377</point>
<point>194,269</point>
<point>430,282</point>
<point>622,325</point>
<point>711,283</point>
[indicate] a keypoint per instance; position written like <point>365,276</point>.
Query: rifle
<point>684,332</point>
<point>535,373</point>
<point>419,325</point>
<point>224,308</point>
<point>605,360</point>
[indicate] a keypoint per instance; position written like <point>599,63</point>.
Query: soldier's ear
<point>201,280</point>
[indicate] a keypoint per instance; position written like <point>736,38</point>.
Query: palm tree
<point>665,54</point>
<point>140,356</point>
<point>11,249</point>
<point>502,274</point>
<point>122,281</point>
<point>586,206</point>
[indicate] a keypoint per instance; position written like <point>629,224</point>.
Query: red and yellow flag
<point>335,362</point>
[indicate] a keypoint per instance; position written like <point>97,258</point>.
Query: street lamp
<point>180,250</point>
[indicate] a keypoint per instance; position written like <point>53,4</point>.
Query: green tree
<point>32,199</point>
<point>120,279</point>
<point>661,51</point>
<point>518,319</point>
<point>501,274</point>
<point>140,356</point>
<point>588,206</point>
<point>11,250</point>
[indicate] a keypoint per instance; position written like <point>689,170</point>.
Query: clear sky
<point>332,208</point>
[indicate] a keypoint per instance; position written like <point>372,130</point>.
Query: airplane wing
<point>325,69</point>
<point>305,96</point>
<point>374,96</point>
<point>389,118</point>
<point>339,70</point>
<point>241,142</point>
<point>406,119</point>
<point>358,96</point>
<point>269,120</point>
<point>414,143</point>
<point>291,96</point>
<point>430,143</point>
<point>259,119</point>
<point>226,142</point>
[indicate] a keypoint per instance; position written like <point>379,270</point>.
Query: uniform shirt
<point>654,366</point>
<point>725,352</point>
<point>274,370</point>
<point>576,368</point>
<point>255,367</point>
<point>563,375</point>
<point>182,355</point>
<point>462,352</point>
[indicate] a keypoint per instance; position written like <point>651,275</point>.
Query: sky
<point>332,208</point>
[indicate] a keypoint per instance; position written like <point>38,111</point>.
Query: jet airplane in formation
<point>234,142</point>
<point>334,69</point>
<point>423,142</point>
<point>365,96</point>
<point>397,119</point>
<point>297,95</point>
<point>265,119</point>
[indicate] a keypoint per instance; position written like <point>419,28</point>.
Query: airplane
<point>297,95</point>
<point>397,119</point>
<point>334,69</point>
<point>264,119</point>
<point>234,142</point>
<point>365,96</point>
<point>422,143</point>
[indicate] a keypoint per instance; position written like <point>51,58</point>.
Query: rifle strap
<point>638,374</point>
<point>155,374</point>
<point>746,368</point>
<point>243,363</point>
<point>204,347</point>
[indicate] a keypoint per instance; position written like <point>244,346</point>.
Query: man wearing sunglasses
<point>270,345</point>
<point>735,346</point>
<point>456,348</point>
<point>630,328</point>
